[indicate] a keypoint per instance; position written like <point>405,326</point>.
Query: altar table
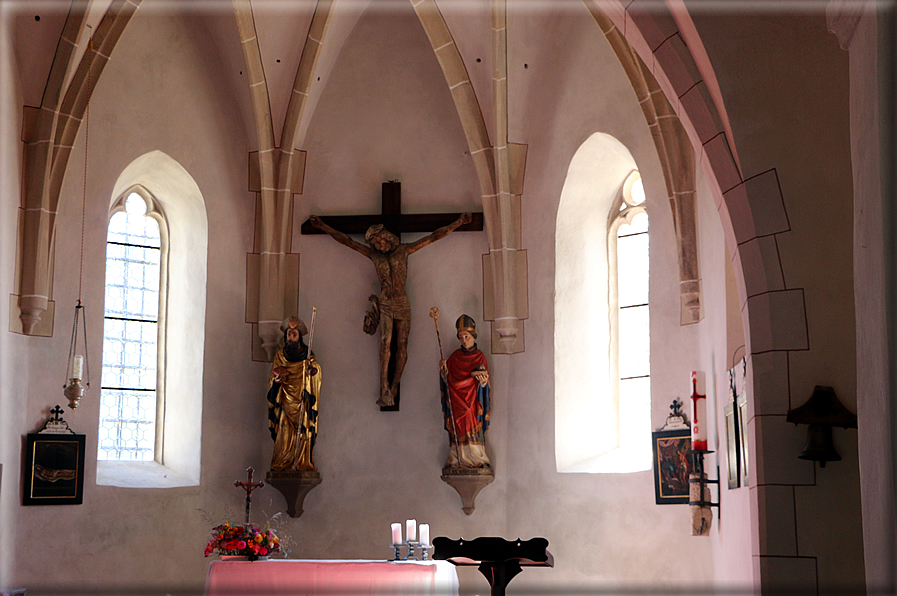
<point>284,577</point>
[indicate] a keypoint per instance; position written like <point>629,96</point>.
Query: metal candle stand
<point>697,459</point>
<point>410,545</point>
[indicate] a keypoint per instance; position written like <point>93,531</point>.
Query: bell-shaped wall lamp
<point>822,411</point>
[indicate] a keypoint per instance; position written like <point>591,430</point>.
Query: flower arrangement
<point>244,540</point>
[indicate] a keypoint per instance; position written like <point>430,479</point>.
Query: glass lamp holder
<point>73,389</point>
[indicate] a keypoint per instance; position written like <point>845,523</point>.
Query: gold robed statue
<point>294,388</point>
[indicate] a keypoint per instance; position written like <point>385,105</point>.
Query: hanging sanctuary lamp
<point>77,368</point>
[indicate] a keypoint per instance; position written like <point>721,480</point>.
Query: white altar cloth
<point>284,577</point>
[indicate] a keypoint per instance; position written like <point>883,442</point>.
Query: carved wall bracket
<point>294,486</point>
<point>468,482</point>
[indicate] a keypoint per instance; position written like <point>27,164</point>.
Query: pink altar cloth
<point>282,577</point>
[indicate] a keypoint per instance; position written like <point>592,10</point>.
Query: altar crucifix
<point>248,486</point>
<point>391,310</point>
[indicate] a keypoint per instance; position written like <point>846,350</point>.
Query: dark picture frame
<point>736,432</point>
<point>741,406</point>
<point>733,450</point>
<point>54,469</point>
<point>672,465</point>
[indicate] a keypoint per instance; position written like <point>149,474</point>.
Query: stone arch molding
<point>500,169</point>
<point>276,174</point>
<point>752,213</point>
<point>49,133</point>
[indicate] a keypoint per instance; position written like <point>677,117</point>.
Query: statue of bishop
<point>294,389</point>
<point>464,384</point>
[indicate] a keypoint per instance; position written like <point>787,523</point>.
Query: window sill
<point>140,474</point>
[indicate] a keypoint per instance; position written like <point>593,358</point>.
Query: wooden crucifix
<point>391,310</point>
<point>248,486</point>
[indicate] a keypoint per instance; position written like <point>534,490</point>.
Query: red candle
<point>698,412</point>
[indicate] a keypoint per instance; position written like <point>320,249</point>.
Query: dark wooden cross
<point>676,407</point>
<point>57,413</point>
<point>398,223</point>
<point>393,219</point>
<point>249,486</point>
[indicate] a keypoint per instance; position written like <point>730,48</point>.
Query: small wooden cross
<point>248,486</point>
<point>57,413</point>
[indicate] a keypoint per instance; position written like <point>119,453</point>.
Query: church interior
<point>762,134</point>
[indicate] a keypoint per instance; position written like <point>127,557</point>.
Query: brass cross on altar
<point>391,310</point>
<point>249,486</point>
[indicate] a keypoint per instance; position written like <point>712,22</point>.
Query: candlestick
<point>396,533</point>
<point>411,530</point>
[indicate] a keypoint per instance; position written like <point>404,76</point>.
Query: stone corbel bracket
<point>294,486</point>
<point>468,482</point>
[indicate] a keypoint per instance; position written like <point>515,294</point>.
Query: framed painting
<point>672,465</point>
<point>54,469</point>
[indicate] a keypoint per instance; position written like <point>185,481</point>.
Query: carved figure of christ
<point>390,259</point>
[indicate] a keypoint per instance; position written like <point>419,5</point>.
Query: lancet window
<point>629,317</point>
<point>130,394</point>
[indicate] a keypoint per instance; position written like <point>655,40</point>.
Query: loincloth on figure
<point>395,309</point>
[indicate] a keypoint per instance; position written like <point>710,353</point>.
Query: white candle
<point>411,530</point>
<point>77,367</point>
<point>425,534</point>
<point>396,533</point>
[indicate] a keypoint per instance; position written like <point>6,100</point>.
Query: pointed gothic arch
<point>593,430</point>
<point>183,328</point>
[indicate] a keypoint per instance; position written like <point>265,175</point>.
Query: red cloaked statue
<point>464,384</point>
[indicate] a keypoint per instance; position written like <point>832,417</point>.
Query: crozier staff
<point>464,384</point>
<point>294,388</point>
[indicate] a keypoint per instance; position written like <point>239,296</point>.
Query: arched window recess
<point>159,307</point>
<point>602,338</point>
